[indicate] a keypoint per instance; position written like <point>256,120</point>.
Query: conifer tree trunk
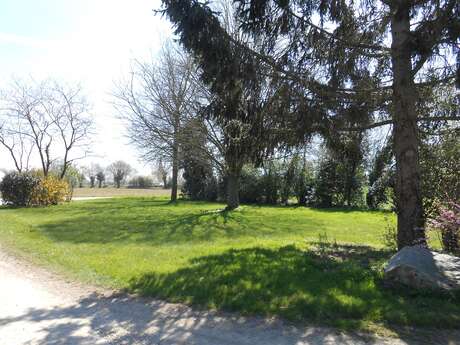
<point>234,167</point>
<point>408,189</point>
<point>233,190</point>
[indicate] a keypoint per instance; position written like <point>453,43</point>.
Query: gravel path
<point>38,307</point>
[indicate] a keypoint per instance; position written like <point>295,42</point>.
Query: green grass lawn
<point>256,260</point>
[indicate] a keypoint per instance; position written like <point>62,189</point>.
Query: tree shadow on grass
<point>336,289</point>
<point>334,209</point>
<point>295,284</point>
<point>131,225</point>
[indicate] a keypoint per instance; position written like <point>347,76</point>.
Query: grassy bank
<point>321,266</point>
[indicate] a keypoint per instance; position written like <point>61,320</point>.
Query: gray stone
<point>421,268</point>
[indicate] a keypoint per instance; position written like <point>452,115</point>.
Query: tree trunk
<point>165,181</point>
<point>175,170</point>
<point>348,189</point>
<point>408,191</point>
<point>350,183</point>
<point>233,189</point>
<point>65,165</point>
<point>302,199</point>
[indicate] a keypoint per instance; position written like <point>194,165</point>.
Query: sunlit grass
<point>255,260</point>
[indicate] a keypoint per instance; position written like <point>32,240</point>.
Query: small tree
<point>251,190</point>
<point>289,177</point>
<point>90,173</point>
<point>381,176</point>
<point>73,175</point>
<point>199,180</point>
<point>304,182</point>
<point>326,187</point>
<point>120,171</point>
<point>92,181</point>
<point>447,222</point>
<point>162,173</point>
<point>440,167</point>
<point>272,181</point>
<point>100,177</point>
<point>298,179</point>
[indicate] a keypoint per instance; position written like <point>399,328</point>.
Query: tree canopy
<point>335,66</point>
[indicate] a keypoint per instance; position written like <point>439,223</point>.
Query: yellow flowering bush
<point>50,191</point>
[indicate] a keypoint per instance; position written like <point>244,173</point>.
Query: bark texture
<point>408,191</point>
<point>233,190</point>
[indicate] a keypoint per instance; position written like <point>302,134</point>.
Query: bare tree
<point>24,111</point>
<point>100,175</point>
<point>155,101</point>
<point>72,122</point>
<point>44,117</point>
<point>120,171</point>
<point>18,145</point>
<point>90,172</point>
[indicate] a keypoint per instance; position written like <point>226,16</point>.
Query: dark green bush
<point>261,185</point>
<point>199,180</point>
<point>251,189</point>
<point>272,182</point>
<point>17,188</point>
<point>339,183</point>
<point>140,182</point>
<point>379,192</point>
<point>304,184</point>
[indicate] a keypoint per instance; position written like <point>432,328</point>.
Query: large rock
<point>422,268</point>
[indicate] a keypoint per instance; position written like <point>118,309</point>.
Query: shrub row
<point>32,189</point>
<point>140,182</point>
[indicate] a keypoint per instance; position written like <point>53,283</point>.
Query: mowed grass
<point>256,260</point>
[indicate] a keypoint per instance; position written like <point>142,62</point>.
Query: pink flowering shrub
<point>448,224</point>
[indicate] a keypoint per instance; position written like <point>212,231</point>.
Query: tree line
<point>118,174</point>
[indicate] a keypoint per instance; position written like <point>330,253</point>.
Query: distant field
<point>110,191</point>
<point>303,264</point>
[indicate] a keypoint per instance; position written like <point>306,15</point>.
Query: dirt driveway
<point>37,307</point>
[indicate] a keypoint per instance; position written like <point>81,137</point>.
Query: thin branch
<point>390,122</point>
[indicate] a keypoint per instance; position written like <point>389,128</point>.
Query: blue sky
<point>87,41</point>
